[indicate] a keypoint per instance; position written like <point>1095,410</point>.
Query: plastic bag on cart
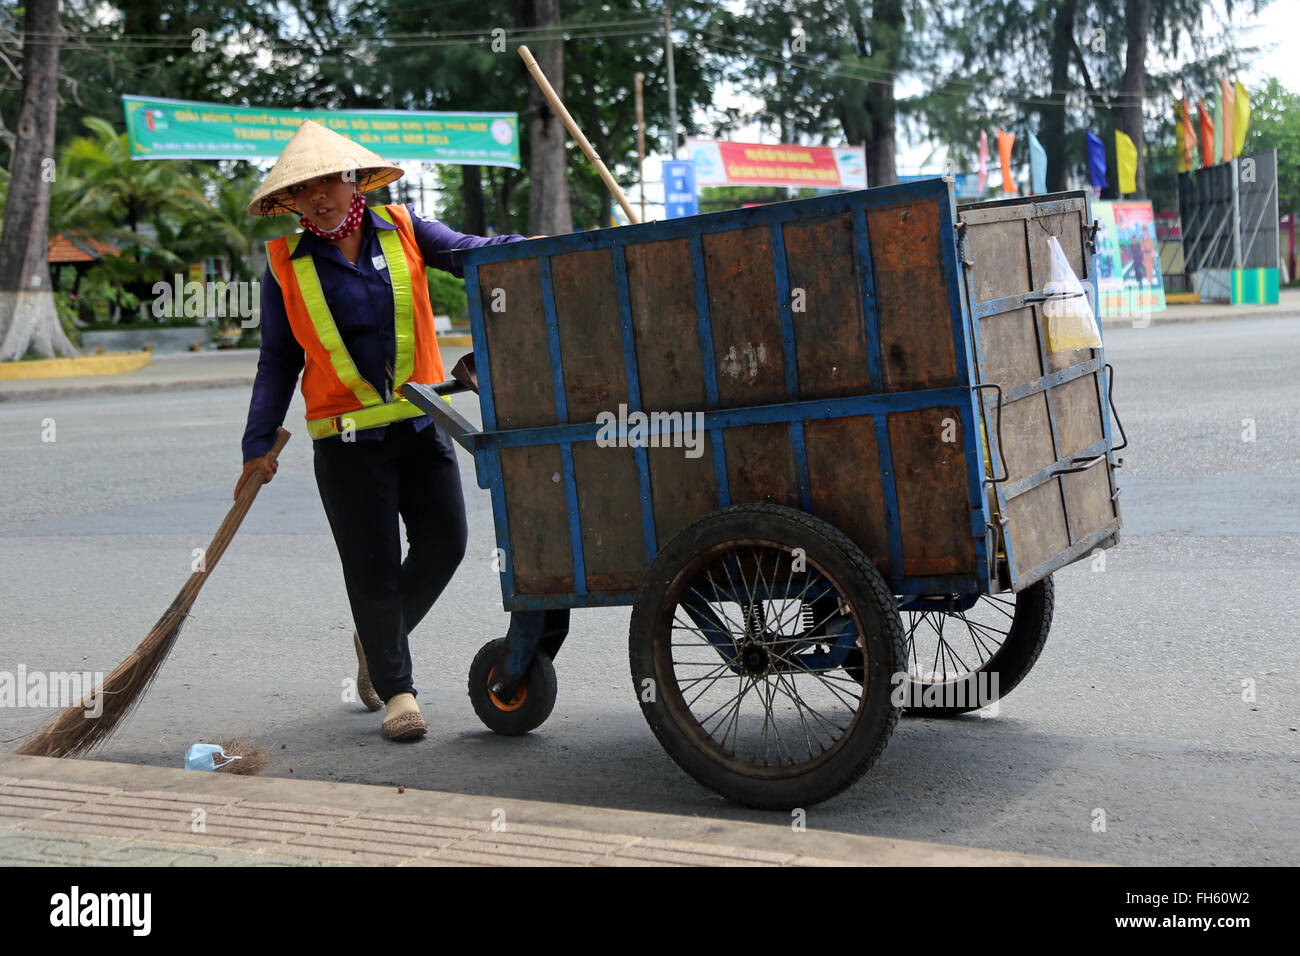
<point>1071,322</point>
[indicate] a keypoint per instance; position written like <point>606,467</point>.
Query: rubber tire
<point>541,685</point>
<point>1012,661</point>
<point>831,550</point>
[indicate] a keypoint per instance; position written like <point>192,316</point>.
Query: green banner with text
<point>181,129</point>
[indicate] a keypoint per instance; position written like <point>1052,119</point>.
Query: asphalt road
<point>1136,706</point>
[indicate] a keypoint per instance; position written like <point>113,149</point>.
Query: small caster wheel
<point>531,703</point>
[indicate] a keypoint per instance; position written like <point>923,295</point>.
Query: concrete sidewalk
<point>238,367</point>
<point>86,812</point>
<point>1288,306</point>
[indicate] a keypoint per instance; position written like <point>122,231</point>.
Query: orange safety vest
<point>338,398</point>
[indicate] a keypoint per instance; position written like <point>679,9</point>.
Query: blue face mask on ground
<point>203,757</point>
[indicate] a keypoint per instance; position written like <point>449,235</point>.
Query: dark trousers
<point>364,486</point>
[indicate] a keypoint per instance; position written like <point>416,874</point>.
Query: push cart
<point>821,447</point>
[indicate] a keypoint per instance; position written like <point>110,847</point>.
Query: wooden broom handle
<point>587,148</point>
<point>235,516</point>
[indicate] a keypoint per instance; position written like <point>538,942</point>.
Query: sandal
<point>365,689</point>
<point>406,726</point>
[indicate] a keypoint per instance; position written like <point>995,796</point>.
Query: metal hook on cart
<point>1083,464</point>
<point>997,429</point>
<point>1110,398</point>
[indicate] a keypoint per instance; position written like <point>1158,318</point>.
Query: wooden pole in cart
<point>640,140</point>
<point>556,105</point>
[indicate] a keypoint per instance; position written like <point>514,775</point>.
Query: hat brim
<point>280,202</point>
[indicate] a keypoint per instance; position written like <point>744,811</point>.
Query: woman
<point>346,303</point>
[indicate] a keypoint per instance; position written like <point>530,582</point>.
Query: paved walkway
<point>89,812</point>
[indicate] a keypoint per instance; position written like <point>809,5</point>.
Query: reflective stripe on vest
<point>374,411</point>
<point>371,416</point>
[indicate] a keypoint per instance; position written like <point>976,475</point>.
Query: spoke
<point>744,631</point>
<point>695,680</point>
<point>722,605</point>
<point>997,605</point>
<point>694,630</point>
<point>724,620</point>
<point>800,668</point>
<point>938,646</point>
<point>952,656</point>
<point>820,716</point>
<point>828,616</point>
<point>777,728</point>
<point>789,578</point>
<point>767,720</point>
<point>701,663</point>
<point>716,677</point>
<point>736,721</point>
<point>1003,635</point>
<point>979,640</point>
<point>799,706</point>
<point>727,703</point>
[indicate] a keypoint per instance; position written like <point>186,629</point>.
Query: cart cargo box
<point>775,432</point>
<point>846,353</point>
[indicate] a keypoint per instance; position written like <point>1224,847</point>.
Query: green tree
<point>153,210</point>
<point>1275,124</point>
<point>1064,66</point>
<point>828,69</point>
<point>28,317</point>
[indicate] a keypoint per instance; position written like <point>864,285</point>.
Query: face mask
<point>201,757</point>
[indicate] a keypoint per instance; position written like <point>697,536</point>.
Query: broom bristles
<point>77,730</point>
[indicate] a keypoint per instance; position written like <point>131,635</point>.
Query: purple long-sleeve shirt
<point>360,298</point>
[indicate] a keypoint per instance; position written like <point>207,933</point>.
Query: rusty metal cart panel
<point>827,343</point>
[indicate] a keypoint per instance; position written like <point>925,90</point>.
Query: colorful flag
<point>1096,160</point>
<point>1207,134</point>
<point>984,162</point>
<point>1126,163</point>
<point>1189,137</point>
<point>1180,158</point>
<point>1004,153</point>
<point>1037,165</point>
<point>1241,118</point>
<point>1216,148</point>
<point>1225,97</point>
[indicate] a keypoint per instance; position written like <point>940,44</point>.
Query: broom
<point>75,731</point>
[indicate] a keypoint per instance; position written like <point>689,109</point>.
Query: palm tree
<point>233,232</point>
<point>123,191</point>
<point>132,204</point>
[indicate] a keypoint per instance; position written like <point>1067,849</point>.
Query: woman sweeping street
<point>346,303</point>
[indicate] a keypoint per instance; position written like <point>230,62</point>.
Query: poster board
<point>1128,258</point>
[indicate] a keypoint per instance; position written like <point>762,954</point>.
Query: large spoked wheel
<point>527,708</point>
<point>961,660</point>
<point>739,638</point>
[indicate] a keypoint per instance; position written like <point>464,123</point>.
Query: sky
<point>1278,26</point>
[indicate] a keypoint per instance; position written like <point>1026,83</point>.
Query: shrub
<point>447,293</point>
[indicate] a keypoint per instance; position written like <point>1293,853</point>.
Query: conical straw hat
<point>317,151</point>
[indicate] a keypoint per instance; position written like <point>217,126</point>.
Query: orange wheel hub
<point>515,702</point>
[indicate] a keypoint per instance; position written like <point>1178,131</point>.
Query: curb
<point>114,363</point>
<point>1266,312</point>
<point>120,388</point>
<point>129,811</point>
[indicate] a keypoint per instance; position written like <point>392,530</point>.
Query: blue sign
<point>965,185</point>
<point>680,197</point>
